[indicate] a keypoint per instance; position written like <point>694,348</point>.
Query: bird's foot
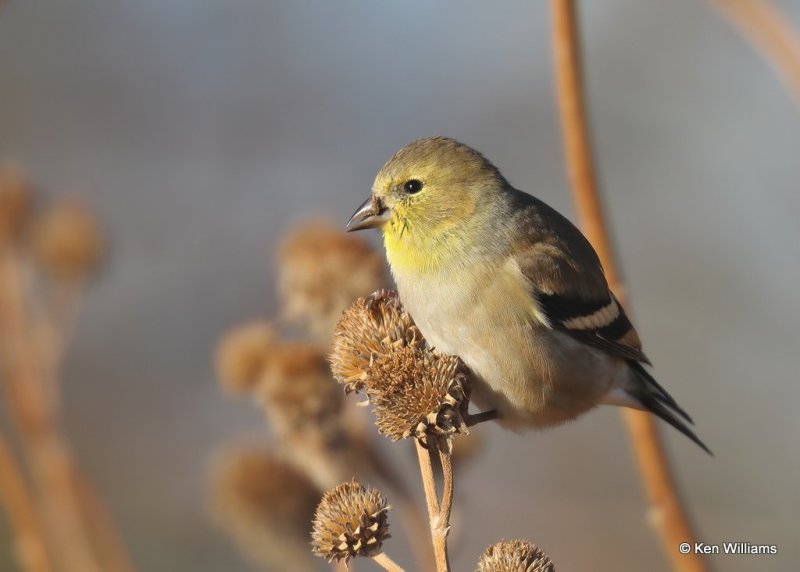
<point>481,417</point>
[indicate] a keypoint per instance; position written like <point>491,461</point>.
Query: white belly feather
<point>533,375</point>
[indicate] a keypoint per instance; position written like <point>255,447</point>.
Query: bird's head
<point>430,194</point>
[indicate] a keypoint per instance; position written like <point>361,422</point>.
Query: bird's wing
<point>568,284</point>
<point>602,324</point>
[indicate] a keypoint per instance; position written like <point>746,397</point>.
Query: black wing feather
<point>560,309</point>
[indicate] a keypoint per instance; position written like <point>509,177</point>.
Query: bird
<point>500,279</point>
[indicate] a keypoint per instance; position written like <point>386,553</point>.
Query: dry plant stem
<point>54,325</point>
<point>386,563</point>
<point>428,480</point>
<point>439,523</point>
<point>762,23</point>
<point>672,520</point>
<point>446,506</point>
<point>47,455</point>
<point>413,520</point>
<point>30,543</point>
<point>102,528</point>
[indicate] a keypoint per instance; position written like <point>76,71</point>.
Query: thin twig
<point>386,563</point>
<point>446,507</point>
<point>413,518</point>
<point>438,535</point>
<point>482,417</point>
<point>53,322</point>
<point>102,528</point>
<point>672,520</point>
<point>762,23</point>
<point>47,455</point>
<point>428,481</point>
<point>31,548</point>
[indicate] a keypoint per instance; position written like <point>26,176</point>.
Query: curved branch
<point>762,23</point>
<point>31,547</point>
<point>671,518</point>
<point>438,532</point>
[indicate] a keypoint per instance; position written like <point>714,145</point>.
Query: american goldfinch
<point>500,279</point>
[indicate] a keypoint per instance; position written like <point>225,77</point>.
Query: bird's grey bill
<point>371,214</point>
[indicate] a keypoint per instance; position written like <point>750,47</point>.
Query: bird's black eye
<point>413,186</point>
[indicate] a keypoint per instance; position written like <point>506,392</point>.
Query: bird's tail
<point>654,398</point>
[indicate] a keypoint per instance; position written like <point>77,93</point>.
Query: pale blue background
<point>200,129</point>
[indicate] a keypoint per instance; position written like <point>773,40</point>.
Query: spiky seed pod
<point>420,394</point>
<point>67,240</point>
<point>297,390</point>
<point>321,270</point>
<point>351,520</point>
<point>242,354</point>
<point>15,202</point>
<point>515,556</point>
<point>370,327</point>
<point>266,506</point>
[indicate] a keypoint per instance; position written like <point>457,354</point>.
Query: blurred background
<point>201,131</point>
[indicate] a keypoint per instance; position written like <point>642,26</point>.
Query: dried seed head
<point>15,202</point>
<point>297,390</point>
<point>242,354</point>
<point>321,270</point>
<point>67,240</point>
<point>515,556</point>
<point>418,393</point>
<point>267,507</point>
<point>371,327</point>
<point>351,520</point>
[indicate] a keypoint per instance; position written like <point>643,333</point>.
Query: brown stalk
<point>439,513</point>
<point>446,506</point>
<point>31,548</point>
<point>672,520</point>
<point>102,528</point>
<point>413,519</point>
<point>53,325</point>
<point>386,563</point>
<point>762,23</point>
<point>30,412</point>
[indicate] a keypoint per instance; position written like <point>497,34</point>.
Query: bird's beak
<point>371,214</point>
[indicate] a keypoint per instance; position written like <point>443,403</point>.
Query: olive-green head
<point>431,185</point>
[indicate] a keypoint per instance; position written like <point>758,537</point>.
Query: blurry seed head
<point>266,506</point>
<point>67,240</point>
<point>369,328</point>
<point>16,197</point>
<point>418,393</point>
<point>351,520</point>
<point>326,453</point>
<point>514,556</point>
<point>242,354</point>
<point>322,269</point>
<point>297,390</point>
<point>305,408</point>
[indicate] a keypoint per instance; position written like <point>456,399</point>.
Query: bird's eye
<point>413,186</point>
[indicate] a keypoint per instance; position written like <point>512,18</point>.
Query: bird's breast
<point>485,314</point>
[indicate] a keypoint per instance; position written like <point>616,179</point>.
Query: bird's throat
<point>415,248</point>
